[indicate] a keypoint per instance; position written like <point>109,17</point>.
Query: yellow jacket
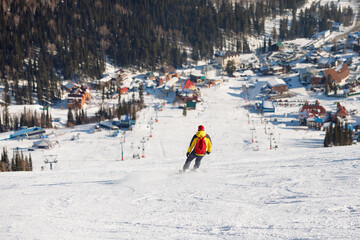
<point>197,136</point>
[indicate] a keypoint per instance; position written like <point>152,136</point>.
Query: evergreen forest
<point>46,41</point>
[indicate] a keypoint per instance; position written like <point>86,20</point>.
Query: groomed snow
<point>245,190</point>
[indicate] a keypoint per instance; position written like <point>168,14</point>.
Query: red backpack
<point>200,147</point>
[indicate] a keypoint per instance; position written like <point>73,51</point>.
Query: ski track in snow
<point>295,192</point>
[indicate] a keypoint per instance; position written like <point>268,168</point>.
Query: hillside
<point>298,191</point>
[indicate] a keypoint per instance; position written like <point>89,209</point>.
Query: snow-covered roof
<point>171,83</point>
<point>197,74</point>
<point>106,78</point>
<point>323,60</point>
<point>249,57</point>
<point>70,85</point>
<point>268,104</point>
<point>275,82</point>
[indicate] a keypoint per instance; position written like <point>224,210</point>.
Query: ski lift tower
<point>156,112</point>
<point>252,133</point>
<point>150,126</point>
<point>143,141</point>
<point>50,159</point>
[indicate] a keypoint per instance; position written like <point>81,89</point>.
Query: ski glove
<point>207,152</point>
<point>187,154</point>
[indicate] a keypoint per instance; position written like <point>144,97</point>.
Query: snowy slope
<point>299,191</point>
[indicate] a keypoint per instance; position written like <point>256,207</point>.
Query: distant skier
<point>199,146</point>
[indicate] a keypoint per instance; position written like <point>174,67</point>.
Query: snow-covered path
<point>295,192</point>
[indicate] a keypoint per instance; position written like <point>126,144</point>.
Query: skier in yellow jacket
<point>199,146</point>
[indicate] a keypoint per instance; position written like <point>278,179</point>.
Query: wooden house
<point>277,69</point>
<point>337,26</point>
<point>70,86</point>
<point>341,111</point>
<point>165,70</point>
<point>197,77</point>
<point>317,81</point>
<point>78,97</point>
<point>223,57</point>
<point>277,47</point>
<point>188,86</point>
<point>309,110</point>
<point>338,74</point>
<point>277,85</point>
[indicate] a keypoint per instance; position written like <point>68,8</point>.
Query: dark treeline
<point>314,19</point>
<point>131,107</point>
<point>28,118</point>
<point>338,134</point>
<point>43,41</point>
<point>19,162</point>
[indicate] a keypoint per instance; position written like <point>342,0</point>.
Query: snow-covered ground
<point>299,190</point>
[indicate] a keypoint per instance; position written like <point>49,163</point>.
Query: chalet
<point>314,123</point>
<point>223,57</point>
<point>337,26</point>
<point>210,71</point>
<point>171,75</point>
<point>277,85</point>
<point>338,74</point>
<point>197,77</point>
<point>188,86</point>
<point>70,86</point>
<point>325,62</point>
<point>306,75</point>
<point>165,70</point>
<point>267,106</point>
<point>311,111</point>
<point>277,47</point>
<point>105,81</point>
<point>341,111</point>
<point>277,69</point>
<point>264,70</point>
<point>121,77</point>
<point>317,81</point>
<point>249,60</point>
<point>170,85</point>
<point>78,97</point>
